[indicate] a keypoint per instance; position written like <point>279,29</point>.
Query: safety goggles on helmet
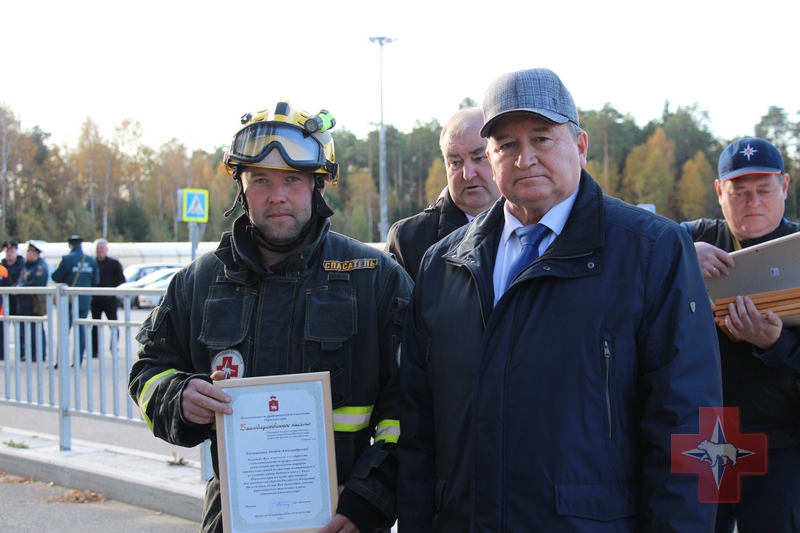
<point>299,149</point>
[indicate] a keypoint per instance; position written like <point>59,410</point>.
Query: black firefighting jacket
<point>336,306</point>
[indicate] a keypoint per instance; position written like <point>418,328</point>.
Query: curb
<point>125,475</point>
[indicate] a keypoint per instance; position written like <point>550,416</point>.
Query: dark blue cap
<point>749,156</point>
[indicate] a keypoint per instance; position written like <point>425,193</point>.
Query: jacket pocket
<point>227,312</point>
<point>603,502</point>
<point>151,324</point>
<point>327,340</point>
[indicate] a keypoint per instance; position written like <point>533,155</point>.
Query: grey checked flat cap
<point>538,91</point>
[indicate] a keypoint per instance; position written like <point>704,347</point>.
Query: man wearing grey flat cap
<point>553,346</point>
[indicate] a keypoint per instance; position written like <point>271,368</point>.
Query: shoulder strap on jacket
<point>78,273</point>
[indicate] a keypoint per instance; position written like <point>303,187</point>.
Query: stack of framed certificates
<point>784,303</point>
<point>769,273</point>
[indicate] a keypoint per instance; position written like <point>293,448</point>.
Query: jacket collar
<point>240,255</point>
<point>451,216</point>
<point>582,233</point>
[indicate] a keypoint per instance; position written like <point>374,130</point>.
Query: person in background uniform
<point>4,282</point>
<point>35,274</point>
<point>78,270</point>
<point>14,263</point>
<point>470,190</point>
<point>110,276</point>
<point>761,366</point>
<point>552,347</point>
<point>283,294</point>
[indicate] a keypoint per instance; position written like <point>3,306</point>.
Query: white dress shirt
<point>510,247</point>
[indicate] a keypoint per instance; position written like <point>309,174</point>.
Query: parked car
<point>137,272</point>
<point>152,300</point>
<point>153,277</point>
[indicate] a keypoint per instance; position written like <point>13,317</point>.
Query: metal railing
<point>77,384</point>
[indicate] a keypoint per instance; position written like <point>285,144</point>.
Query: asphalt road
<point>37,507</point>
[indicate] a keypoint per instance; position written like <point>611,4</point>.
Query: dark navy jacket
<point>554,410</point>
<point>34,275</point>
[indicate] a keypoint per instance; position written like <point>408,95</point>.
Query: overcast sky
<point>189,70</point>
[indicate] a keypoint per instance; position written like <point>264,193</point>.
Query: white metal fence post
<point>62,309</point>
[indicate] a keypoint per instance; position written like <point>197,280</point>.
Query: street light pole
<point>383,226</point>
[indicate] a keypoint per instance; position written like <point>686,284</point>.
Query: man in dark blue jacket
<point>541,394</point>
<point>761,369</point>
<point>78,270</point>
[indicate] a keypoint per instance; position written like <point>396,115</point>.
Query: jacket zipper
<point>607,357</point>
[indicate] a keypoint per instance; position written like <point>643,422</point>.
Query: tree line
<point>123,190</point>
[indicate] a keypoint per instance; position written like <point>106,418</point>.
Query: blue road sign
<point>194,207</point>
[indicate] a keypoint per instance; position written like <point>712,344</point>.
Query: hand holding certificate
<point>276,454</point>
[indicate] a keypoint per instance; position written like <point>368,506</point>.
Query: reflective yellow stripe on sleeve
<point>352,418</point>
<point>388,431</point>
<point>147,393</point>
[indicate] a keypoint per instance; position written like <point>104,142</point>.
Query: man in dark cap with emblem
<point>761,363</point>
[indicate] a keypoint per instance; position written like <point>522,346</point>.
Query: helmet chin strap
<point>239,198</point>
<point>319,204</point>
<point>319,209</point>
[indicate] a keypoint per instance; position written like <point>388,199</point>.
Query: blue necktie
<point>530,237</point>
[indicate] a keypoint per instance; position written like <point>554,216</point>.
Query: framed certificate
<point>277,461</point>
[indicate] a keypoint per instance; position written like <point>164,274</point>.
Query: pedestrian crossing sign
<point>194,207</point>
